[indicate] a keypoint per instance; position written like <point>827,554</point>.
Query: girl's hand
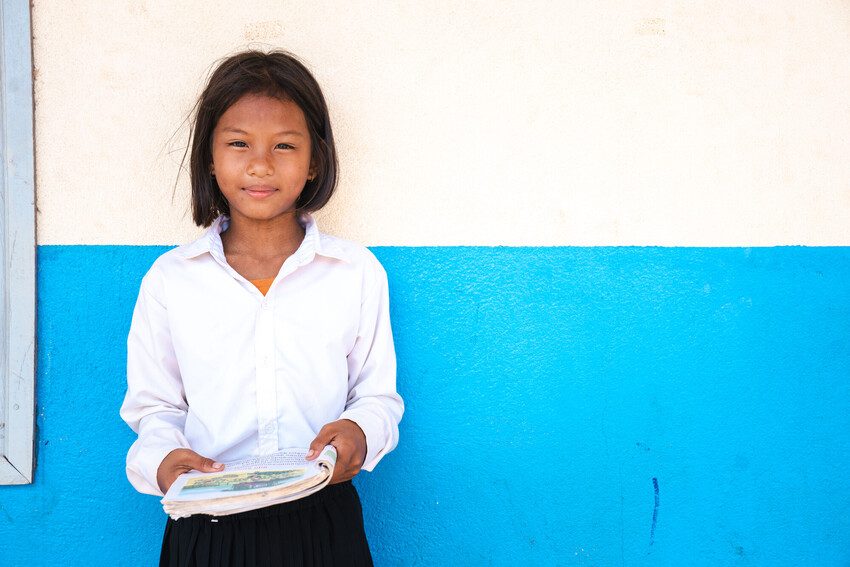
<point>350,443</point>
<point>180,461</point>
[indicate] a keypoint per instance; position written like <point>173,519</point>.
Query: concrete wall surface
<point>617,242</point>
<point>542,123</point>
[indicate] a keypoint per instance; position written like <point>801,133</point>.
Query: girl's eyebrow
<point>281,133</point>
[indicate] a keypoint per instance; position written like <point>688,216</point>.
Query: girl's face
<point>261,157</point>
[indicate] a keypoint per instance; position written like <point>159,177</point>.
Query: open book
<point>250,484</point>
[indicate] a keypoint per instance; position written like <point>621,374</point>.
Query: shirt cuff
<point>376,433</point>
<point>143,462</point>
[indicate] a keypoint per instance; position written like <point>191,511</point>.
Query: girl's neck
<point>273,238</point>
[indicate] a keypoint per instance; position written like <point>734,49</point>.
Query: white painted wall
<point>520,123</point>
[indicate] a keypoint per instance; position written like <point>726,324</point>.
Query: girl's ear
<point>212,170</point>
<point>311,174</point>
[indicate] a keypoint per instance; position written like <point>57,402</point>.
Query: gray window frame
<point>17,244</point>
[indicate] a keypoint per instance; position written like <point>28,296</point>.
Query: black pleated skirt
<point>323,529</point>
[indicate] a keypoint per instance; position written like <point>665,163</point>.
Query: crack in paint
<point>654,512</point>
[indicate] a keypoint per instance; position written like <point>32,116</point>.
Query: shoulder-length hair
<point>277,74</point>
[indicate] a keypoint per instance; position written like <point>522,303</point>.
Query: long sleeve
<point>373,403</point>
<point>155,405</point>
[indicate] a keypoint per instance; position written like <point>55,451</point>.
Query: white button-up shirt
<point>216,367</point>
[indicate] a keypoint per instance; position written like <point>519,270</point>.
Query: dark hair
<point>277,74</point>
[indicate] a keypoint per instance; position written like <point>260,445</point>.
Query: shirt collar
<point>315,242</point>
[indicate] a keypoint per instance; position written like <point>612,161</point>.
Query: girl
<point>264,333</point>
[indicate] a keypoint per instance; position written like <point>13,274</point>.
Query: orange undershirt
<point>263,285</point>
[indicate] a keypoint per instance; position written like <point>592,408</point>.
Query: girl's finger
<point>325,436</point>
<point>203,464</point>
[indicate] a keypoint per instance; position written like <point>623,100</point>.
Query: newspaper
<point>249,484</point>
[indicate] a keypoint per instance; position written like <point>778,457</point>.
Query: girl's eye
<point>284,146</point>
<point>238,144</point>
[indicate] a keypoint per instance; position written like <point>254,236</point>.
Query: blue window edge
<point>17,242</point>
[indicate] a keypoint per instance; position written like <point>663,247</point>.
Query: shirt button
<point>269,428</point>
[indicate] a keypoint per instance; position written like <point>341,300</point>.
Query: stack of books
<point>250,484</point>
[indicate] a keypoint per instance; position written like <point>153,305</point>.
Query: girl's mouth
<point>259,191</point>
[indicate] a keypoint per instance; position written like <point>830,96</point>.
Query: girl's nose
<point>260,165</point>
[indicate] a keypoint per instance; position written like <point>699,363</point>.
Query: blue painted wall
<point>566,406</point>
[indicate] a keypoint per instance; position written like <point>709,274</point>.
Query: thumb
<point>203,464</point>
<point>323,438</point>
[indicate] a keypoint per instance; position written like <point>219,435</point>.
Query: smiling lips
<point>259,191</point>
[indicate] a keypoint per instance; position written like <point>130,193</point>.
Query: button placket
<point>266,384</point>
